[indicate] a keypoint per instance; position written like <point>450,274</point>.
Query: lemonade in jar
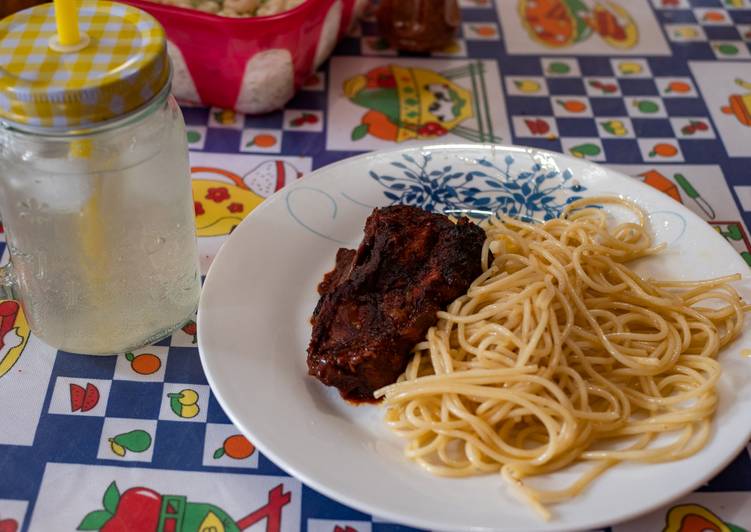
<point>95,188</point>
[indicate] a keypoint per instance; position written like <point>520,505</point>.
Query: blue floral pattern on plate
<point>530,193</point>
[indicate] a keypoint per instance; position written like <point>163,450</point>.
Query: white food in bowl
<point>236,8</point>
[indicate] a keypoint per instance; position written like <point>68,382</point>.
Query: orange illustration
<point>713,16</point>
<point>572,106</point>
<point>680,87</point>
<point>663,149</point>
<point>484,31</point>
<point>562,23</point>
<point>262,140</point>
<point>236,446</point>
<point>696,518</point>
<point>144,363</point>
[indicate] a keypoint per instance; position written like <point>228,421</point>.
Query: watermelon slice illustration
<point>83,399</point>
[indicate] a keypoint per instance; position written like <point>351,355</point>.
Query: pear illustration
<point>586,150</point>
<point>136,441</point>
<point>647,106</point>
<point>559,68</point>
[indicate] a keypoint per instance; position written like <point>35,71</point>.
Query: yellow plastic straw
<point>66,17</point>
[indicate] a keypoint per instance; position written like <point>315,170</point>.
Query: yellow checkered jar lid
<point>123,66</point>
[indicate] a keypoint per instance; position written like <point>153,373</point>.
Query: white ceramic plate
<point>253,331</point>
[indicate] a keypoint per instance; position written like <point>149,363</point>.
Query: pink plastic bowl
<point>254,64</point>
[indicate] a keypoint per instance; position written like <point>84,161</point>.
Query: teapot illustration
<point>739,105</point>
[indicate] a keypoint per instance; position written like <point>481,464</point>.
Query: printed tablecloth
<point>660,91</point>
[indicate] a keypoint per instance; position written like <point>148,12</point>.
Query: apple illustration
<point>8,525</point>
<point>135,509</point>
<point>138,509</point>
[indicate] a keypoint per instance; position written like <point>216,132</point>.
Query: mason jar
<point>95,189</point>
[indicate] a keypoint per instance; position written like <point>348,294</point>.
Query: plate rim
<point>396,517</point>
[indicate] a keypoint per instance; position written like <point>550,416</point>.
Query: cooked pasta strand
<point>560,353</point>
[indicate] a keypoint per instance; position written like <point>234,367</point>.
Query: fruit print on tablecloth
<point>127,439</point>
<point>261,141</point>
<point>481,31</point>
<point>526,86</point>
<point>645,107</point>
<point>14,334</point>
<point>25,368</point>
<point>726,88</point>
<point>685,32</point>
<point>147,364</point>
<point>315,82</point>
<point>736,235</point>
<point>689,517</point>
<point>616,127</point>
<point>733,49</point>
<point>535,127</point>
<point>631,68</point>
<point>660,150</point>
<point>571,106</point>
<point>583,27</point>
<point>186,336</point>
<point>184,402</point>
<point>224,446</point>
<point>196,136</point>
<point>226,118</point>
<point>560,67</point>
<point>455,48</point>
<point>378,103</point>
<point>302,120</point>
<point>675,87</point>
<point>80,396</point>
<point>331,525</point>
<point>698,512</point>
<point>602,86</point>
<point>692,127</point>
<point>671,4</point>
<point>583,148</point>
<point>222,198</point>
<point>712,16</point>
<point>12,514</point>
<point>226,187</point>
<point>75,497</point>
<point>737,4</point>
<point>700,188</point>
<point>476,4</point>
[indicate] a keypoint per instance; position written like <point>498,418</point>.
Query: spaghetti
<point>560,354</point>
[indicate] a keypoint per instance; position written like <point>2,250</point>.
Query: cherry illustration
<point>693,126</point>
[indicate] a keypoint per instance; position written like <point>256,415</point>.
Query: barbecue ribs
<point>380,300</point>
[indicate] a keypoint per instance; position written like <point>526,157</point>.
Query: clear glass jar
<point>101,231</point>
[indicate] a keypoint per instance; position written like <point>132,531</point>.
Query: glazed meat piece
<point>380,300</point>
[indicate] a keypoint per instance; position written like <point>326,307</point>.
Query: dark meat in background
<point>380,300</point>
